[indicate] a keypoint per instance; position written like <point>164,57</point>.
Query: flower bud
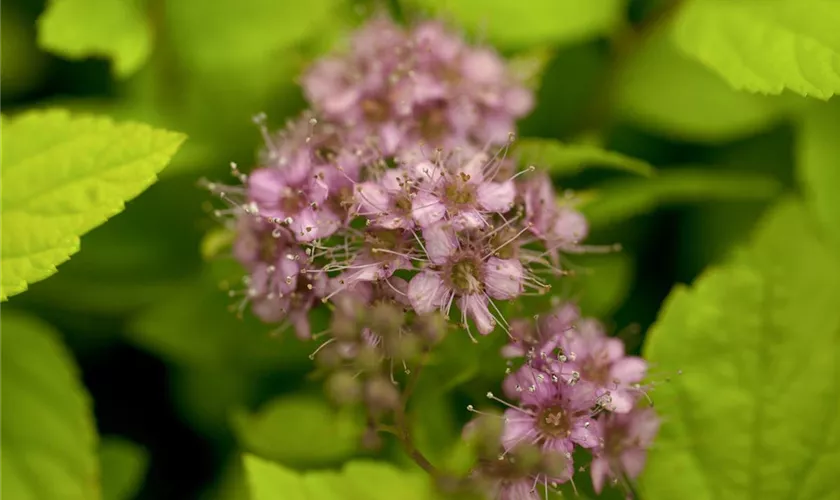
<point>368,359</point>
<point>381,395</point>
<point>386,319</point>
<point>343,388</point>
<point>556,465</point>
<point>527,457</point>
<point>431,327</point>
<point>371,439</point>
<point>329,356</point>
<point>403,347</point>
<point>344,327</point>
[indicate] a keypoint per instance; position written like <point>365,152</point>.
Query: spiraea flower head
<point>397,87</point>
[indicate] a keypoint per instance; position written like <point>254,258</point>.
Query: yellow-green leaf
<point>116,29</point>
<point>48,433</point>
<point>62,176</point>
<point>568,159</point>
<point>766,46</point>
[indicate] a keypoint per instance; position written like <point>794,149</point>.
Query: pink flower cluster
<point>397,87</point>
<point>394,198</point>
<point>576,389</point>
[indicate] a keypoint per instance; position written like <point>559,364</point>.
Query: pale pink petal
<point>621,401</point>
<point>309,224</point>
<point>600,470</point>
<point>468,219</point>
<point>475,306</point>
<point>570,227</point>
<point>473,169</point>
<point>265,187</point>
<point>426,292</point>
<point>518,101</point>
<point>441,242</point>
<point>372,198</point>
<point>633,462</point>
<point>584,436</point>
<point>629,370</point>
<point>496,196</point>
<point>519,428</point>
<point>503,278</point>
<point>483,66</point>
<point>427,209</point>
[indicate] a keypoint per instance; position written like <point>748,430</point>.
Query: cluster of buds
<point>394,202</point>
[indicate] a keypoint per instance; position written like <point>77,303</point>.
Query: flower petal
<point>427,209</point>
<point>441,242</point>
<point>426,292</point>
<point>475,306</point>
<point>496,196</point>
<point>372,198</point>
<point>629,370</point>
<point>503,278</point>
<point>265,186</point>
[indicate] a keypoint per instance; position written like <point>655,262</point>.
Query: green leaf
<point>124,466</point>
<point>116,29</point>
<point>510,24</point>
<point>602,282</point>
<point>133,260</point>
<point>320,434</point>
<point>359,480</point>
<point>766,46</point>
<point>818,165</point>
<point>48,433</point>
<point>620,200</point>
<point>267,479</point>
<point>62,176</point>
<point>569,159</point>
<point>662,90</point>
<point>755,412</point>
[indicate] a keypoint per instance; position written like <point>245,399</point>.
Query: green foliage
<point>818,155</point>
<point>758,343</point>
<point>123,466</point>
<point>359,480</point>
<point>48,433</point>
<point>619,200</point>
<point>322,435</point>
<point>766,46</point>
<point>62,176</point>
<point>116,29</point>
<point>569,159</point>
<point>665,91</point>
<point>543,21</point>
<point>602,282</point>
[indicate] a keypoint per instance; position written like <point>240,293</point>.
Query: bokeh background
<point>171,369</point>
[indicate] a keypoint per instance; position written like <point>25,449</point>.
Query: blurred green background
<point>171,369</point>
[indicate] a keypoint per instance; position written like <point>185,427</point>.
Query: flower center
<point>459,192</point>
<point>403,202</point>
<point>293,201</point>
<point>433,124</point>
<point>554,421</point>
<point>597,368</point>
<point>466,276</point>
<point>374,111</point>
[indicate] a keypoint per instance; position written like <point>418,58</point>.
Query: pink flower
<point>554,414</point>
<point>626,439</point>
<point>463,192</point>
<point>463,269</point>
<point>560,227</point>
<point>601,362</point>
<point>399,87</point>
